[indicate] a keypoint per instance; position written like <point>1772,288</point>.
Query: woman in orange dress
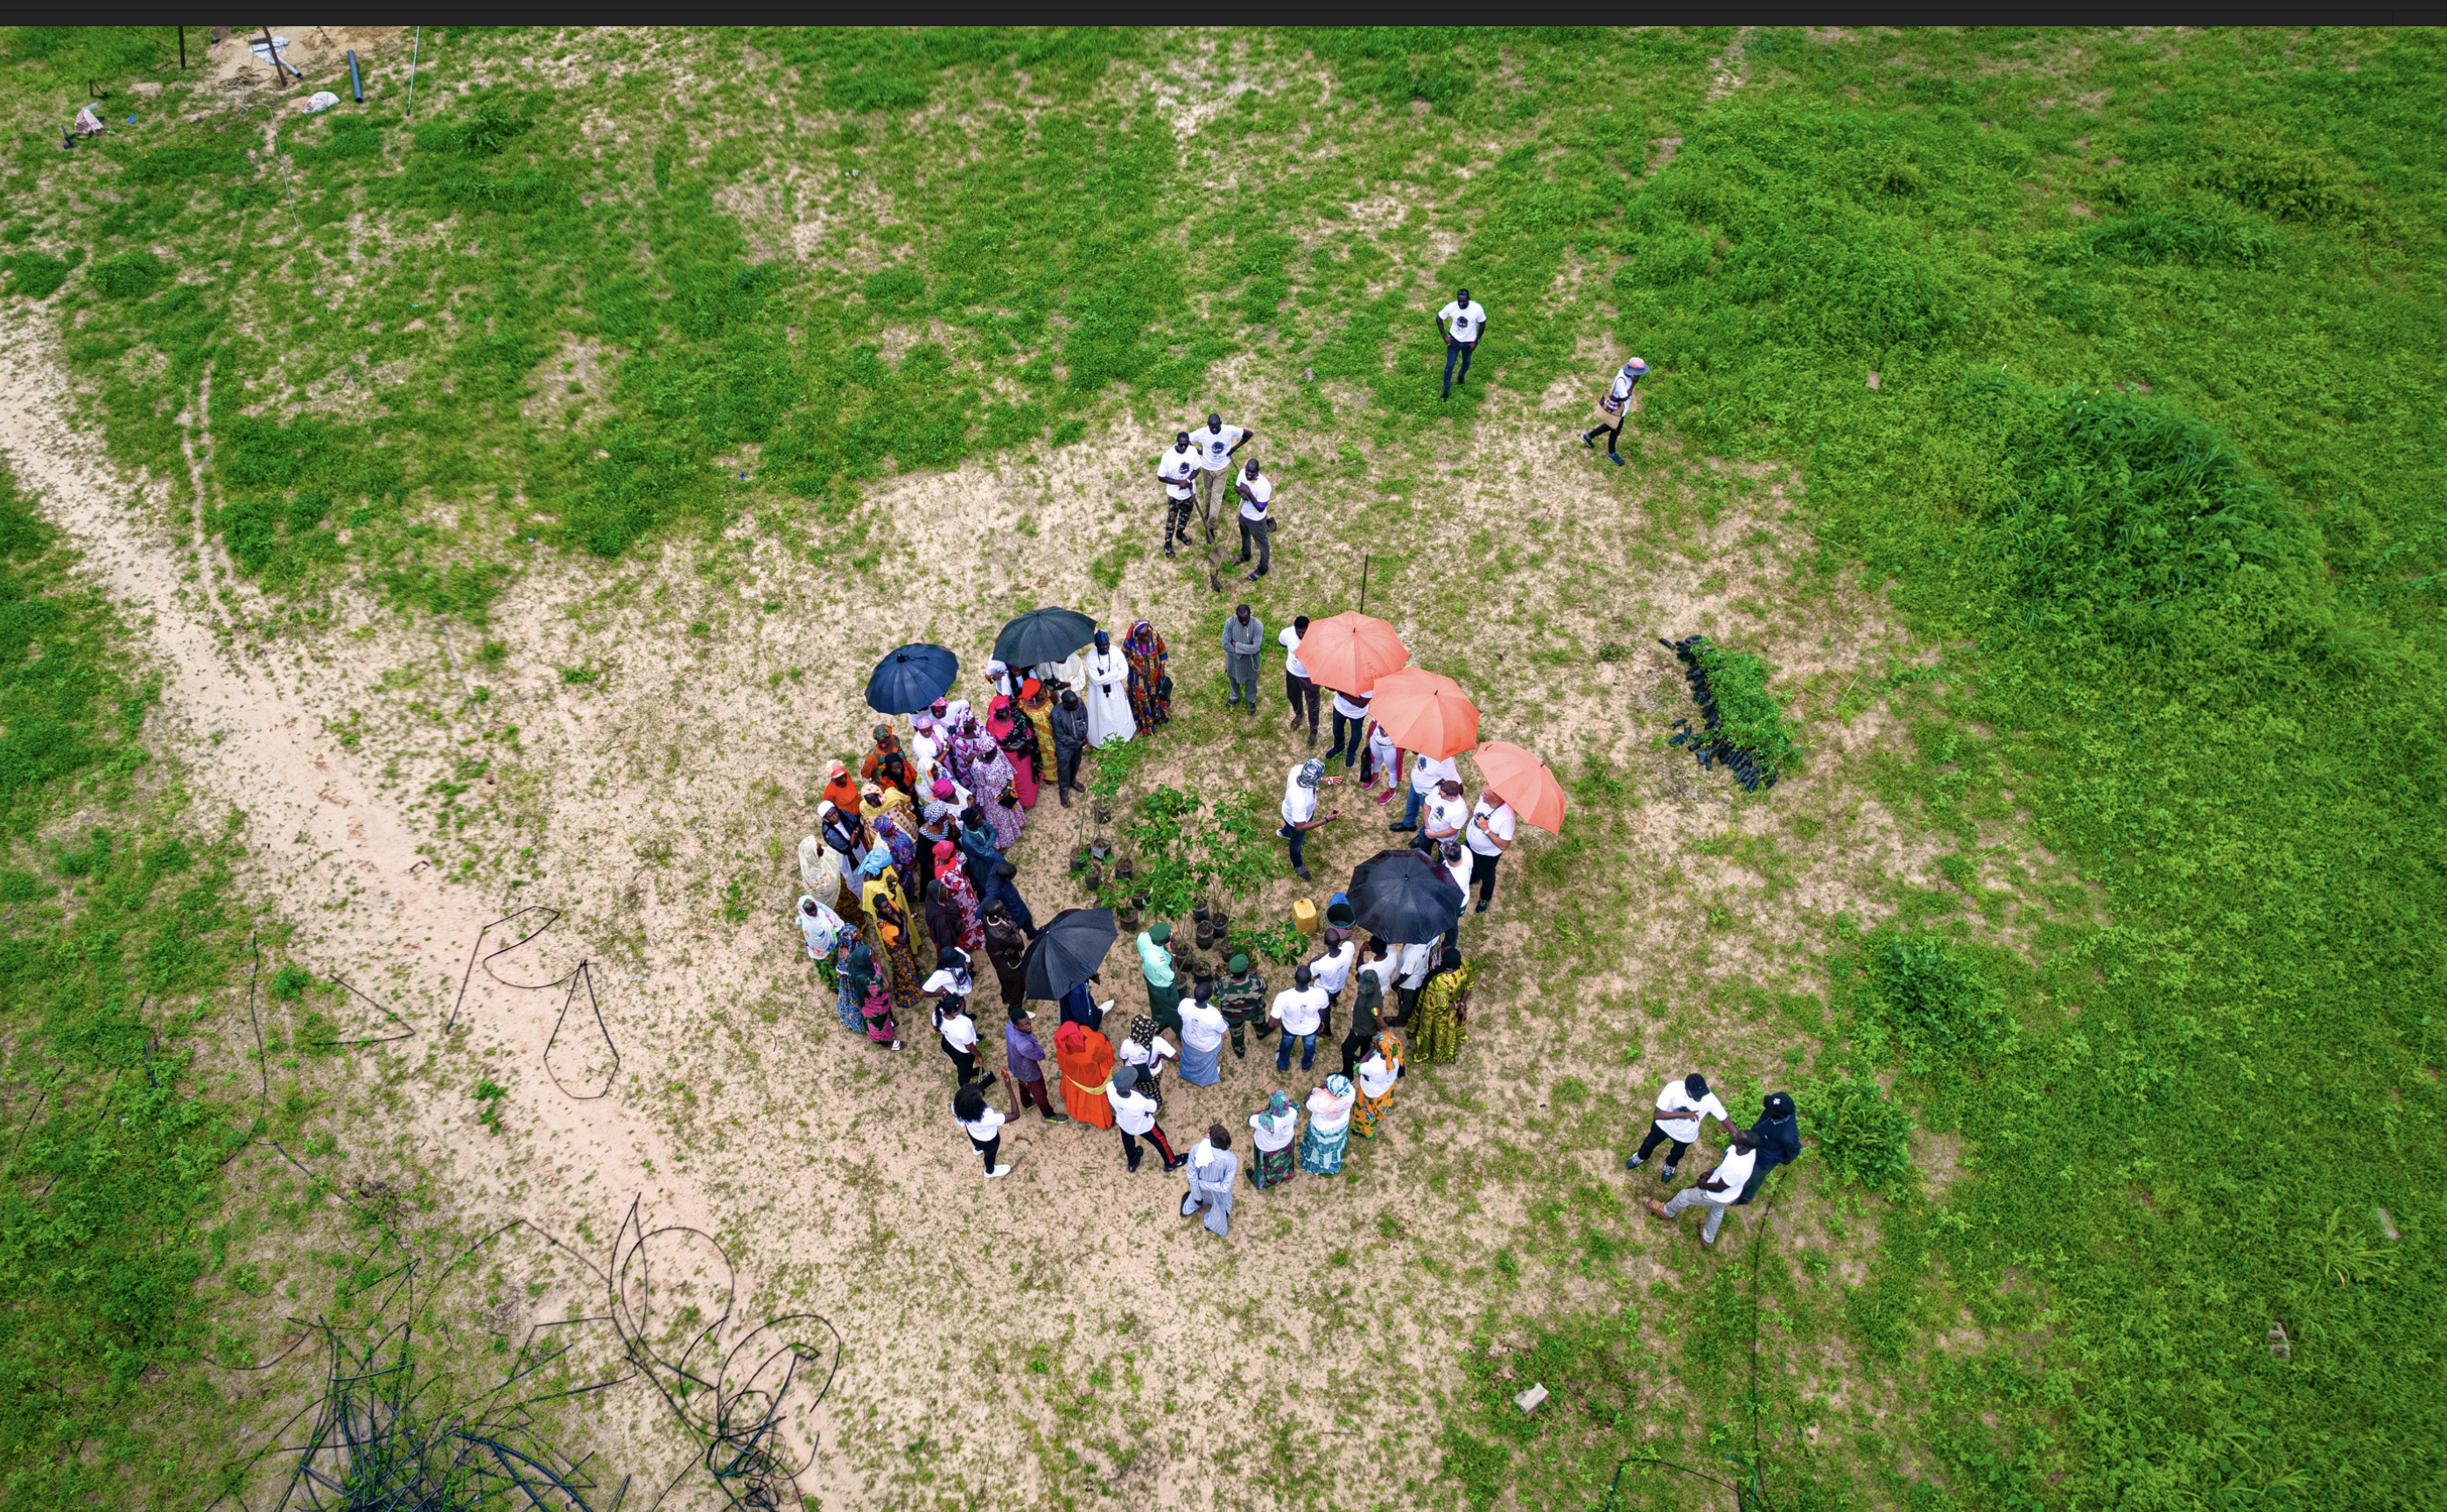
<point>1086,1061</point>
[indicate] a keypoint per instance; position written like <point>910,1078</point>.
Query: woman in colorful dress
<point>1036,706</point>
<point>1016,735</point>
<point>882,1022</point>
<point>956,885</point>
<point>1151,685</point>
<point>892,833</point>
<point>1273,1127</point>
<point>1329,1127</point>
<point>1440,1027</point>
<point>1378,1074</point>
<point>1084,1058</point>
<point>853,972</point>
<point>992,781</point>
<point>896,958</point>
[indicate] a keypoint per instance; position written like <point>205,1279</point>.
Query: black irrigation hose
<point>1710,744</point>
<point>582,974</point>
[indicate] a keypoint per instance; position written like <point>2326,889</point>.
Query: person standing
<point>1329,1127</point>
<point>1002,887</point>
<point>1452,859</point>
<point>950,986</point>
<point>1215,443</point>
<point>1257,492</point>
<point>1411,964</point>
<point>1298,688</point>
<point>1085,1060</point>
<point>841,789</point>
<point>1177,469</point>
<point>1298,1009</point>
<point>1025,1059</point>
<point>853,970</point>
<point>983,1126</point>
<point>1245,641</point>
<point>1151,684</point>
<point>1146,1049</point>
<point>1331,972</point>
<point>1157,971</point>
<point>1615,404</point>
<point>1381,757</point>
<point>1070,739</point>
<point>1109,694</point>
<point>1006,951</point>
<point>1241,998</point>
<point>1490,831</point>
<point>1777,1137</point>
<point>1461,323</point>
<point>1213,1168</point>
<point>1350,722</point>
<point>1272,1129</point>
<point>1202,1036</point>
<point>1300,808</point>
<point>1134,1115</point>
<point>1443,817</point>
<point>1016,735</point>
<point>1718,1191</point>
<point>1427,773</point>
<point>1378,1074</point>
<point>1441,1026</point>
<point>1367,1003</point>
<point>1684,1109</point>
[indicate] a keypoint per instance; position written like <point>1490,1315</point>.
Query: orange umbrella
<point>1522,779</point>
<point>1350,651</point>
<point>1425,712</point>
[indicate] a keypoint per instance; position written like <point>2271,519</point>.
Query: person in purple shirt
<point>1027,1059</point>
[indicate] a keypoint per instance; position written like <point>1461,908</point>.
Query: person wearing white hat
<point>1614,405</point>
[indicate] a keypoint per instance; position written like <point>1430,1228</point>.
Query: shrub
<point>130,275</point>
<point>36,274</point>
<point>1748,718</point>
<point>1933,999</point>
<point>1862,1132</point>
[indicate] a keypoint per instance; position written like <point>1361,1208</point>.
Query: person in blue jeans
<point>1461,323</point>
<point>1300,1008</point>
<point>1300,808</point>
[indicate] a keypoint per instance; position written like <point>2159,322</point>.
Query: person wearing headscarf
<point>1135,1111</point>
<point>1367,1003</point>
<point>876,801</point>
<point>1085,1060</point>
<point>1069,720</point>
<point>984,1124</point>
<point>936,821</point>
<point>875,1009</point>
<point>1156,970</point>
<point>820,875</point>
<point>993,785</point>
<point>888,911</point>
<point>820,926</point>
<point>1006,951</point>
<point>853,973</point>
<point>998,679</point>
<point>1202,1036</point>
<point>926,744</point>
<point>840,789</point>
<point>1016,735</point>
<point>887,766</point>
<point>1329,1127</point>
<point>1378,1074</point>
<point>1272,1129</point>
<point>1440,1024</point>
<point>1151,685</point>
<point>1615,404</point>
<point>1147,1049</point>
<point>1718,1191</point>
<point>843,834</point>
<point>1108,695</point>
<point>955,883</point>
<point>1212,1168</point>
<point>1777,1135</point>
<point>978,850</point>
<point>1300,808</point>
<point>1036,701</point>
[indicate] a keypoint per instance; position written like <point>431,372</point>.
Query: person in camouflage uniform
<point>1242,999</point>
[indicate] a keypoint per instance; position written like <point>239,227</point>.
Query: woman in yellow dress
<point>1439,1027</point>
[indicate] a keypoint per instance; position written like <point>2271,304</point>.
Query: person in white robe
<point>1212,1170</point>
<point>1108,695</point>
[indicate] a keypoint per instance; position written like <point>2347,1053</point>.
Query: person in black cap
<point>1683,1108</point>
<point>1178,471</point>
<point>1777,1134</point>
<point>1000,887</point>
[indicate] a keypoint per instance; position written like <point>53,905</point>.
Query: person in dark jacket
<point>1007,950</point>
<point>1001,888</point>
<point>1778,1136</point>
<point>978,854</point>
<point>1070,739</point>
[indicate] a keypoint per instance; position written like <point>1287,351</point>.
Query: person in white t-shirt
<point>1215,443</point>
<point>1301,1009</point>
<point>1350,722</point>
<point>1443,816</point>
<point>1425,773</point>
<point>1615,404</point>
<point>1300,808</point>
<point>1177,469</point>
<point>1134,1115</point>
<point>1683,1108</point>
<point>1331,971</point>
<point>1411,964</point>
<point>1489,833</point>
<point>1453,857</point>
<point>1256,492</point>
<point>1718,1191</point>
<point>1461,323</point>
<point>1298,688</point>
<point>984,1124</point>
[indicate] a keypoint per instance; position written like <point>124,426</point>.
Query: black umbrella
<point>1043,636</point>
<point>911,679</point>
<point>1068,950</point>
<point>1401,895</point>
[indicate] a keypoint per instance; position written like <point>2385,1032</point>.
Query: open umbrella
<point>911,679</point>
<point>1049,634</point>
<point>1068,950</point>
<point>1400,894</point>
<point>1522,779</point>
<point>1425,712</point>
<point>1350,651</point>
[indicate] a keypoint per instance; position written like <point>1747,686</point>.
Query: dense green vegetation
<point>2115,358</point>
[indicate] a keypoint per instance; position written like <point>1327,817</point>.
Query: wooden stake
<point>1363,582</point>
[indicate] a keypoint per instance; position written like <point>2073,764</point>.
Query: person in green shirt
<point>1242,999</point>
<point>1162,981</point>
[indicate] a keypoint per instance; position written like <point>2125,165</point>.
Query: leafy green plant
<point>1749,716</point>
<point>290,982</point>
<point>1281,943</point>
<point>1862,1132</point>
<point>1933,998</point>
<point>488,1103</point>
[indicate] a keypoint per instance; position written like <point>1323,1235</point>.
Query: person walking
<point>1718,1191</point>
<point>1350,724</point>
<point>1202,1036</point>
<point>1489,832</point>
<point>1272,1129</point>
<point>1157,971</point>
<point>1367,1004</point>
<point>1427,773</point>
<point>1215,443</point>
<point>1298,688</point>
<point>1024,1057</point>
<point>1441,1026</point>
<point>949,985</point>
<point>1684,1109</point>
<point>1777,1137</point>
<point>1177,470</point>
<point>1244,640</point>
<point>1615,404</point>
<point>1297,1011</point>
<point>1213,1169</point>
<point>1257,492</point>
<point>1461,323</point>
<point>1085,1060</point>
<point>1300,808</point>
<point>983,1126</point>
<point>1109,694</point>
<point>1241,998</point>
<point>1329,1127</point>
<point>1134,1115</point>
<point>1070,739</point>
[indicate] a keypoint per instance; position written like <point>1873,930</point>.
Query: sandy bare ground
<point>1060,1338</point>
